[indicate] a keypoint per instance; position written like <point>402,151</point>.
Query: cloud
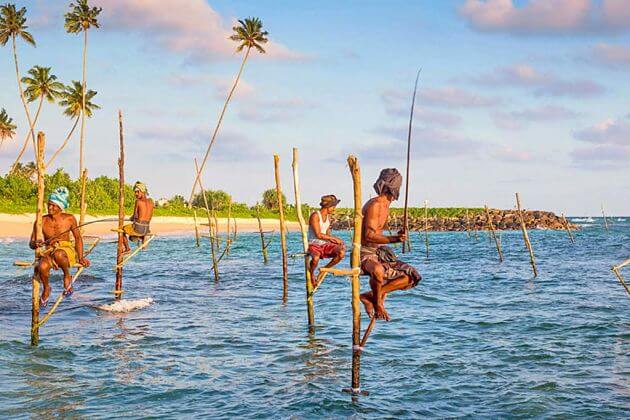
<point>610,144</point>
<point>609,55</point>
<point>507,154</point>
<point>547,17</point>
<point>397,104</point>
<point>453,97</point>
<point>190,28</point>
<point>541,83</point>
<point>271,110</point>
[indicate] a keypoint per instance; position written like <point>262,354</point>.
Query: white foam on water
<point>585,219</point>
<point>126,305</point>
<point>621,220</point>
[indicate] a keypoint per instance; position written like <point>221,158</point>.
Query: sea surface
<point>476,338</point>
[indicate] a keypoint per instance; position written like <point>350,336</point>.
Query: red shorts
<point>327,250</point>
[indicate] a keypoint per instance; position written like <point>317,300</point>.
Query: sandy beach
<point>20,225</point>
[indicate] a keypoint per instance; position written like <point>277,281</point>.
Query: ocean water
<point>475,339</point>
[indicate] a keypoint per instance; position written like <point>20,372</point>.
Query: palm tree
<point>40,85</point>
<point>248,34</point>
<point>13,25</point>
<point>80,19</point>
<point>7,128</point>
<point>72,100</point>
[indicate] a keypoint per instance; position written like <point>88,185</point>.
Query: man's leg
<point>312,267</point>
<point>338,256</point>
<point>374,301</point>
<point>61,259</point>
<point>43,272</point>
<point>126,243</point>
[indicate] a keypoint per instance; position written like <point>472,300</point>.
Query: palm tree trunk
<point>65,142</point>
<point>19,82</point>
<point>216,129</point>
<point>81,147</point>
<point>28,136</point>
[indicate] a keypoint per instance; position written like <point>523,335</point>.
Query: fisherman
<point>387,273</point>
<point>60,253</point>
<point>141,219</point>
<point>320,243</point>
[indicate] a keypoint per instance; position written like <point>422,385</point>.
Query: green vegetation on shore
<point>18,195</point>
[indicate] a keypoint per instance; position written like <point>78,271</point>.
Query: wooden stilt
<point>119,265</point>
<point>228,231</point>
<point>121,208</point>
<point>605,219</point>
<point>567,228</point>
<point>39,236</point>
<point>368,330</point>
<point>310,311</point>
<point>532,260</point>
<point>493,233</point>
<point>283,238</point>
<point>212,242</point>
<point>196,228</point>
<point>263,245</point>
<point>426,226</point>
<point>616,269</point>
<point>467,224</point>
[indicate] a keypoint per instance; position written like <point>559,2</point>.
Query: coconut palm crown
<point>249,34</point>
<point>81,17</point>
<point>73,100</point>
<point>7,128</point>
<point>13,24</point>
<point>42,84</point>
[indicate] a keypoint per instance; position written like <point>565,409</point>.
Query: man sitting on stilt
<point>141,219</point>
<point>320,243</point>
<point>60,253</point>
<point>387,273</point>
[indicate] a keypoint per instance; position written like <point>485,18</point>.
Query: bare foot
<point>369,307</point>
<point>381,313</point>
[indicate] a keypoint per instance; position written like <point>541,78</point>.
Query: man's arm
<point>33,243</point>
<point>78,242</point>
<point>313,222</point>
<point>372,235</point>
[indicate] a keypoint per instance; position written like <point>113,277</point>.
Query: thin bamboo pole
<point>196,228</point>
<point>567,228</point>
<point>283,239</point>
<point>356,286</point>
<point>212,242</point>
<point>493,233</point>
<point>263,246</point>
<point>119,265</point>
<point>467,224</point>
<point>426,226</point>
<point>228,231</point>
<point>310,311</point>
<point>235,230</point>
<point>620,277</point>
<point>83,203</point>
<point>121,208</point>
<point>532,259</point>
<point>605,219</point>
<point>39,235</point>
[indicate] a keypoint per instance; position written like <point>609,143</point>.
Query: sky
<point>527,96</point>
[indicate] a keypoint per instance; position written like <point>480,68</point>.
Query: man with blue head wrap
<point>59,252</point>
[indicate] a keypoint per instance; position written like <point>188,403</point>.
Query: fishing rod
<point>111,219</point>
<point>406,211</point>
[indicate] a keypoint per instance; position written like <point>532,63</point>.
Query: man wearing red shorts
<point>320,243</point>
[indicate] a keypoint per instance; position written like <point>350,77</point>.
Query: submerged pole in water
<point>426,226</point>
<point>467,224</point>
<point>567,228</point>
<point>310,311</point>
<point>228,233</point>
<point>215,265</point>
<point>283,238</point>
<point>494,235</point>
<point>605,219</point>
<point>263,244</point>
<point>196,228</point>
<point>39,235</point>
<point>121,208</point>
<point>532,260</point>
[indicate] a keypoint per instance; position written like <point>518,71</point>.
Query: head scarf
<point>389,182</point>
<point>140,187</point>
<point>59,197</point>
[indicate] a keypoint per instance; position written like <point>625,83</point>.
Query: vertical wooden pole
<point>121,208</point>
<point>605,219</point>
<point>493,233</point>
<point>567,228</point>
<point>235,230</point>
<point>263,245</point>
<point>616,269</point>
<point>215,267</point>
<point>426,226</point>
<point>196,228</point>
<point>467,224</point>
<point>228,232</point>
<point>307,273</point>
<point>83,205</point>
<point>39,235</point>
<point>283,239</point>
<point>356,286</point>
<point>532,260</point>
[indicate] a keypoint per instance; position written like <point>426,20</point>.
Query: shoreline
<point>19,226</point>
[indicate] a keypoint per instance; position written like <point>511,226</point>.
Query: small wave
<point>621,220</point>
<point>126,305</point>
<point>583,219</point>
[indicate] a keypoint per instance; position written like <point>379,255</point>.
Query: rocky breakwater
<point>501,219</point>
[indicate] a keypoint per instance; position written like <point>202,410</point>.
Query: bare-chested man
<point>320,242</point>
<point>142,215</point>
<point>60,253</point>
<point>387,273</point>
